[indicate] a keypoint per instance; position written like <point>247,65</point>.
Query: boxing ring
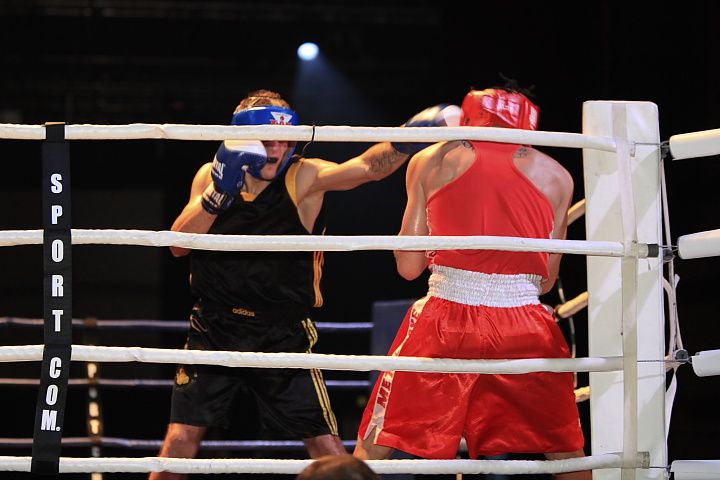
<point>625,301</point>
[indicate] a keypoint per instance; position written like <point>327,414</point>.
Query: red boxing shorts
<point>426,414</point>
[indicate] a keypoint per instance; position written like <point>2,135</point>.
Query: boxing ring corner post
<point>626,318</point>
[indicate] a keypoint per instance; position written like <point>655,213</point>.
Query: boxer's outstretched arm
<point>376,163</point>
<point>382,159</point>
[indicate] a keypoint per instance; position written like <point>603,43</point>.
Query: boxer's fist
<point>442,115</point>
<point>232,160</point>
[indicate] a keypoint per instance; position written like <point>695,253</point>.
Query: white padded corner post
<point>638,122</point>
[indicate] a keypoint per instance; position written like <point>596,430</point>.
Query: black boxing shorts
<point>294,398</point>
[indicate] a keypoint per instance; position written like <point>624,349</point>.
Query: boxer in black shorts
<point>260,301</point>
<point>295,399</point>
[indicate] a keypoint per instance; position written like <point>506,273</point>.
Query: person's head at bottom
<point>337,467</point>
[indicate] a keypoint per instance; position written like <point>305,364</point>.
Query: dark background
<point>171,61</point>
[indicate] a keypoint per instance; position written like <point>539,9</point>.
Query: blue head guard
<point>268,115</point>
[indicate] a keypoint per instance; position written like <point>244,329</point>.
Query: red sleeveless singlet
<point>491,198</point>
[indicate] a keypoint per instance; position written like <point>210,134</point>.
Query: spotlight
<point>308,51</point>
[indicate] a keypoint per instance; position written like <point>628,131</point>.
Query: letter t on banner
<point>57,290</point>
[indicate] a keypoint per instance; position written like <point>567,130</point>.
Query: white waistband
<point>488,289</point>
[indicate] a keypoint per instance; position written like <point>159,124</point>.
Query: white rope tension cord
<point>305,243</point>
<point>190,466</point>
<point>305,133</point>
<point>87,353</point>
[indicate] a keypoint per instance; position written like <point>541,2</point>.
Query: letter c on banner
<point>55,364</point>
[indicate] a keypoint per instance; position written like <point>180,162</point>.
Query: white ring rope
<point>87,353</point>
<point>695,144</point>
<point>572,306</point>
<point>306,133</point>
<point>305,243</point>
<point>576,211</point>
<point>225,465</point>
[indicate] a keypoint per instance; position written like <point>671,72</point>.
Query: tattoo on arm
<point>384,162</point>
<point>521,152</point>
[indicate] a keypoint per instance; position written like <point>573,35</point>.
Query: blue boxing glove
<point>442,115</point>
<point>232,160</point>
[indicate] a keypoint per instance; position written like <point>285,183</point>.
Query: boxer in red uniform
<point>480,304</point>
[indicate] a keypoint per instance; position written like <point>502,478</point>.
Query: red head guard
<point>499,108</point>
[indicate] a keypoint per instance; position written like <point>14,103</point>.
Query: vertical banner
<point>57,291</point>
